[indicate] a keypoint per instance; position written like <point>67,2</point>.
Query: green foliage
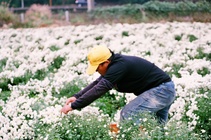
<point>88,127</point>
<point>78,41</point>
<point>202,55</point>
<point>151,10</point>
<point>67,42</point>
<point>40,74</point>
<point>149,128</point>
<point>5,95</point>
<point>132,11</point>
<point>134,1</point>
<point>56,64</point>
<point>175,70</point>
<point>178,37</point>
<point>27,3</point>
<point>118,11</point>
<point>22,25</point>
<point>3,63</point>
<point>41,130</point>
<point>182,8</point>
<point>129,130</point>
<point>99,38</point>
<point>6,16</point>
<point>4,84</point>
<point>192,38</point>
<point>54,48</point>
<point>38,105</point>
<point>204,113</point>
<point>96,127</point>
<point>69,89</point>
<point>110,103</point>
<point>158,8</point>
<point>204,71</point>
<point>125,33</point>
<point>5,3</point>
<point>173,131</point>
<point>33,94</point>
<point>147,53</point>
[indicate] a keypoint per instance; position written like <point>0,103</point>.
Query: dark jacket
<point>128,74</point>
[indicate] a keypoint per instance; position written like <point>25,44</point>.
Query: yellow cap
<point>96,56</point>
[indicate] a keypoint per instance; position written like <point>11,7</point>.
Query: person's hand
<point>70,100</point>
<point>65,109</point>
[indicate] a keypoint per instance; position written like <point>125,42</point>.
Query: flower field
<point>40,68</point>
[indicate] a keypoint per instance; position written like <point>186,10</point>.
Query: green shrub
<point>110,103</point>
<point>69,89</point>
<point>149,129</point>
<point>5,82</point>
<point>203,126</point>
<point>56,64</point>
<point>182,8</point>
<point>96,127</point>
<point>201,54</point>
<point>40,74</point>
<point>118,11</point>
<point>134,1</point>
<point>151,10</point>
<point>88,127</point>
<point>158,8</point>
<point>6,16</point>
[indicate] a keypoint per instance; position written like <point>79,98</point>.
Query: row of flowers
<point>35,64</point>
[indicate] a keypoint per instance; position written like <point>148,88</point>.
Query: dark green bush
<point>118,11</point>
<point>109,104</point>
<point>158,8</point>
<point>133,1</point>
<point>181,8</point>
<point>152,9</point>
<point>203,126</point>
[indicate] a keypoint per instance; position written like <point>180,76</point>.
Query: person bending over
<point>154,89</point>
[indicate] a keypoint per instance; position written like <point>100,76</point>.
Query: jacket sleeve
<point>92,94</point>
<point>80,93</point>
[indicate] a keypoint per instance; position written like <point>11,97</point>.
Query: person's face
<point>102,68</point>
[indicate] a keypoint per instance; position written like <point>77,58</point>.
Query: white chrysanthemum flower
<point>25,51</point>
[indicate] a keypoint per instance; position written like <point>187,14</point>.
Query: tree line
<point>27,3</point>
